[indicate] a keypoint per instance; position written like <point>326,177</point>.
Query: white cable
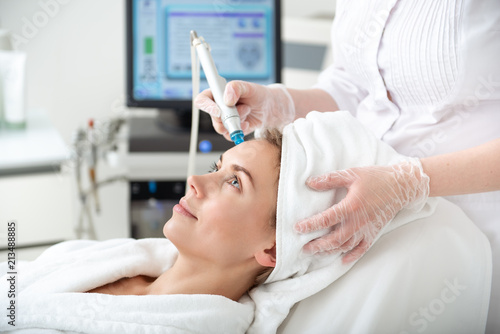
<point>195,79</point>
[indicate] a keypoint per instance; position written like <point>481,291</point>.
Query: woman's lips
<point>183,209</point>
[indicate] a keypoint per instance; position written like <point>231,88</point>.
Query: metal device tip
<point>193,35</point>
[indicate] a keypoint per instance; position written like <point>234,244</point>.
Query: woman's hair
<point>275,138</point>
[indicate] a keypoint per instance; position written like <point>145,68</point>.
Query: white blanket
<point>49,293</point>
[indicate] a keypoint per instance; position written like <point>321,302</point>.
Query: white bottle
<point>12,69</point>
<point>7,46</point>
<point>1,100</point>
<point>12,83</point>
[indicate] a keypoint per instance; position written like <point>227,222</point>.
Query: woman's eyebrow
<point>239,168</point>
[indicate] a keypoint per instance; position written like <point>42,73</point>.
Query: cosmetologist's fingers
<point>219,127</point>
<point>244,110</point>
<point>204,101</point>
<point>235,90</point>
<point>245,127</point>
<point>356,253</point>
<point>319,221</point>
<point>351,243</point>
<point>342,239</point>
<point>320,245</point>
<point>332,242</point>
<point>337,179</point>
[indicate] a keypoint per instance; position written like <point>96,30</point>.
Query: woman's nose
<point>202,185</point>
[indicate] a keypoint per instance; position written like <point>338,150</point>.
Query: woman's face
<point>226,215</point>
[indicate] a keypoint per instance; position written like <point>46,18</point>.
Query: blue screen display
<point>241,34</point>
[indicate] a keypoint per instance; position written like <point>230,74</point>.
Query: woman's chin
<point>166,228</point>
<point>175,229</point>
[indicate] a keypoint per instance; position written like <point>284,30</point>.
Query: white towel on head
<point>320,143</point>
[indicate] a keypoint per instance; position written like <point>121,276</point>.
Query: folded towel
<point>50,299</point>
<point>320,143</point>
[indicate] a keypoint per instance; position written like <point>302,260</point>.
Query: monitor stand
<point>179,120</point>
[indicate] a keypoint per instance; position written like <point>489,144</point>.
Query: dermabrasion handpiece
<point>229,115</point>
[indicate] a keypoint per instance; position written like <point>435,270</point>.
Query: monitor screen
<point>244,37</point>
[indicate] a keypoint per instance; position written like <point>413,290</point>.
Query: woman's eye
<point>213,168</point>
<point>234,182</point>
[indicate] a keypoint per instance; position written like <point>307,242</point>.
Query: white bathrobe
<point>50,294</point>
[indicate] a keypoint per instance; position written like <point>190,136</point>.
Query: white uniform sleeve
<point>342,84</point>
<point>342,87</point>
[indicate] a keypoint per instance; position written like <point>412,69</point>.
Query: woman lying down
<point>226,235</point>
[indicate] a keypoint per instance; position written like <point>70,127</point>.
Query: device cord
<point>195,79</point>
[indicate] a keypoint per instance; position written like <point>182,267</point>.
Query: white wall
<point>75,65</point>
<point>308,8</point>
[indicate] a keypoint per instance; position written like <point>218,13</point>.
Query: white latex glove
<point>375,195</point>
<point>259,106</point>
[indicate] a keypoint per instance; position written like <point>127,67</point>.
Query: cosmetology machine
<point>99,141</point>
<point>244,39</point>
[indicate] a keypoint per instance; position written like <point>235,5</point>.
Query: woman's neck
<point>189,277</point>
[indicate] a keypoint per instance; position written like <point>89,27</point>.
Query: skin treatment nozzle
<point>237,137</point>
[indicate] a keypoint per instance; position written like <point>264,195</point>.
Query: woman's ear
<point>267,257</point>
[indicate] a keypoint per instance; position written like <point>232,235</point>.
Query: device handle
<point>229,115</point>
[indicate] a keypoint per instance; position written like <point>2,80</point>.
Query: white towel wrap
<point>320,143</point>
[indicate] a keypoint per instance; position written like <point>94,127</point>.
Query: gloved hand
<point>375,195</point>
<point>259,106</point>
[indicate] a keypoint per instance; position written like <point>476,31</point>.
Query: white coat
<point>424,76</point>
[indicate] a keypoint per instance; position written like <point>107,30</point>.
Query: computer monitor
<point>244,36</point>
